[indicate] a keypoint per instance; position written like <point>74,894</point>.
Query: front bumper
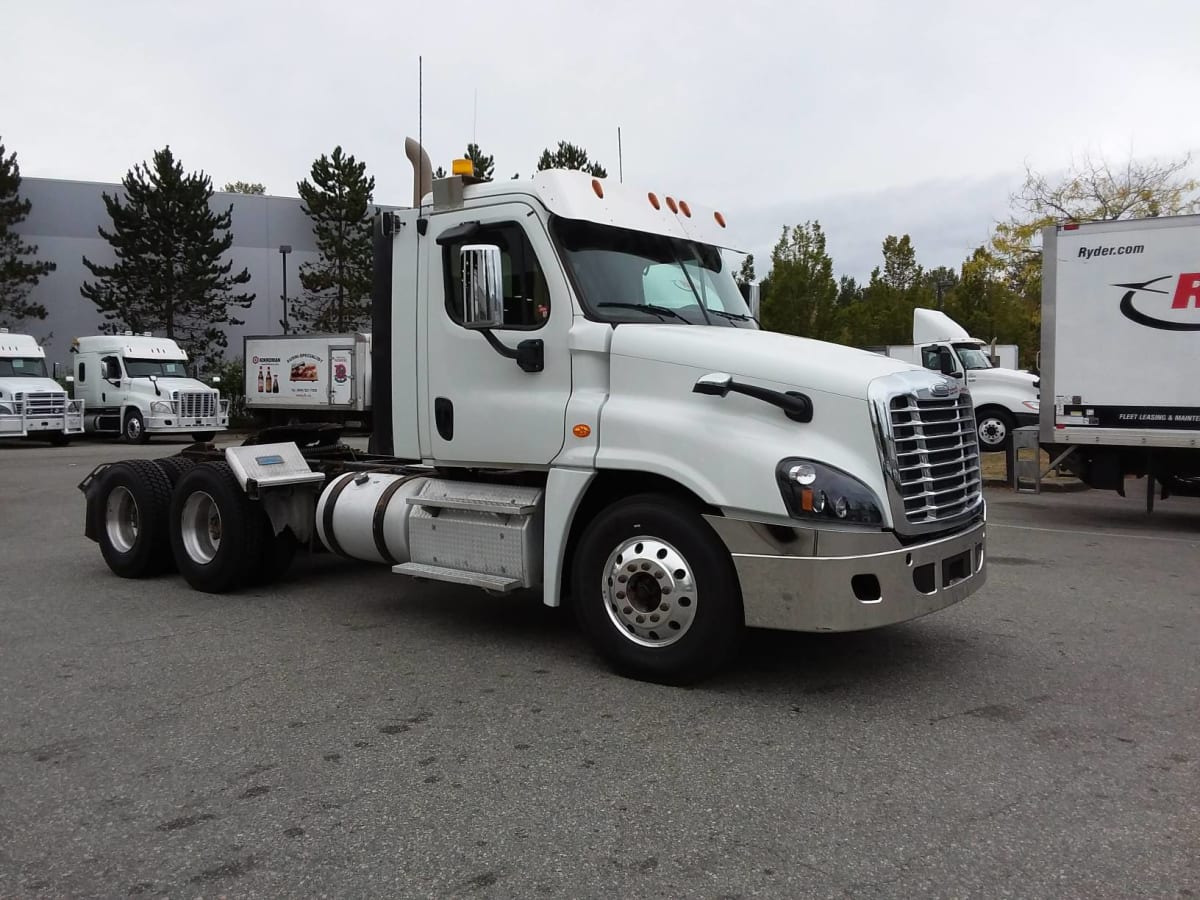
<point>804,580</point>
<point>168,424</point>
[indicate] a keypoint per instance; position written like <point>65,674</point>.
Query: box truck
<point>1004,397</point>
<point>32,404</point>
<point>1121,351</point>
<point>571,397</point>
<point>308,378</point>
<point>137,385</point>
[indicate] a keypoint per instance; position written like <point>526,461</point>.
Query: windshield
<point>23,367</point>
<point>141,368</point>
<point>632,276</point>
<point>972,357</point>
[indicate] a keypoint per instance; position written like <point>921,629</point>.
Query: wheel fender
<point>565,489</point>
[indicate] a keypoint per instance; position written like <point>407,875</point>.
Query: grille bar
<point>197,404</point>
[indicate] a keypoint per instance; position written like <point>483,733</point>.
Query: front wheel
<point>133,430</point>
<point>995,428</point>
<point>656,591</point>
<point>203,437</point>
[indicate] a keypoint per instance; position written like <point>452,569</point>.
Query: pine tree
<point>485,166</point>
<point>802,290</point>
<point>337,287</point>
<point>745,274</point>
<point>169,245</point>
<point>569,156</point>
<point>245,187</point>
<point>19,272</point>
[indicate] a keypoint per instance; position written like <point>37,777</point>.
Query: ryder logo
<point>1183,313</point>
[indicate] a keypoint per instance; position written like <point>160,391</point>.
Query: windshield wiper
<point>649,307</point>
<point>738,317</point>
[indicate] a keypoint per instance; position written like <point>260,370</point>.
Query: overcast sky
<point>875,117</point>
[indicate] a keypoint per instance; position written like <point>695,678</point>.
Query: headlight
<point>813,490</point>
<point>161,408</point>
<point>1035,405</point>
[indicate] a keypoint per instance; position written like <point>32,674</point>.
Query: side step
<point>500,583</point>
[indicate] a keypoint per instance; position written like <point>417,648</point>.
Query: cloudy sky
<point>874,117</point>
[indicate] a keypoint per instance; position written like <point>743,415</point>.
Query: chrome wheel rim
<point>201,527</point>
<point>992,432</point>
<point>121,520</point>
<point>649,592</point>
<point>133,427</point>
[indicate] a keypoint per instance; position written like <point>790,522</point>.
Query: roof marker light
<point>653,198</point>
<point>685,209</point>
<point>1071,226</point>
<point>671,205</point>
<point>598,188</point>
<point>462,167</point>
<point>720,219</point>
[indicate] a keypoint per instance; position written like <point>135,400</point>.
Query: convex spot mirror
<point>483,294</point>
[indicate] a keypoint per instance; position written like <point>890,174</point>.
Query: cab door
<point>482,407</point>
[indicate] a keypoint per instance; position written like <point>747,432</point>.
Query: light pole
<point>284,250</point>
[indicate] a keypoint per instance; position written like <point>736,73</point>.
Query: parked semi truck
<point>309,377</point>
<point>32,404</point>
<point>1120,342</point>
<point>571,397</point>
<point>137,386</point>
<point>1004,397</point>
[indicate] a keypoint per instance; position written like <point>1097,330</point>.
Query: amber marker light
<point>581,431</point>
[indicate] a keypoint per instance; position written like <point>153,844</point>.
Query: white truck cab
<point>137,385</point>
<point>571,397</point>
<point>1004,398</point>
<point>32,404</point>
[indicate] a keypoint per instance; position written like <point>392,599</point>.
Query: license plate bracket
<point>956,568</point>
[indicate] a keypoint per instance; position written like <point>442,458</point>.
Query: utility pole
<point>284,250</point>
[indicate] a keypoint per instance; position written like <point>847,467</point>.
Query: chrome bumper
<point>169,424</point>
<point>801,579</point>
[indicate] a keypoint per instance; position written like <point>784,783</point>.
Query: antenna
<point>620,160</point>
<point>475,120</point>
<point>420,168</point>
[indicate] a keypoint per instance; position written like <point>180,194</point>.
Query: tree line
<point>171,274</point>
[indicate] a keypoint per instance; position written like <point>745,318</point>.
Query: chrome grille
<point>45,403</point>
<point>936,457</point>
<point>197,404</point>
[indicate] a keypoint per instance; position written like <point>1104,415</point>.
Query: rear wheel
<point>133,429</point>
<point>174,467</point>
<point>203,437</point>
<point>216,530</point>
<point>995,427</point>
<point>133,506</point>
<point>656,590</point>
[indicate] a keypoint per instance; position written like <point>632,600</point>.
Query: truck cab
<point>32,404</point>
<point>137,385</point>
<point>1004,398</point>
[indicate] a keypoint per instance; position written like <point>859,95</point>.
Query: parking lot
<point>348,732</point>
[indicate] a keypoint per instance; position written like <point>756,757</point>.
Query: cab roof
<point>20,345</point>
<point>138,346</point>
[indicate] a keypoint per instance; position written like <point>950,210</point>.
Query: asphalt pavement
<point>351,733</point>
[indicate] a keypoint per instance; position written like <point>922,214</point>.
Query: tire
<point>216,530</point>
<point>174,467</point>
<point>132,511</point>
<point>681,565</point>
<point>278,551</point>
<point>994,427</point>
<point>133,428</point>
<point>203,437</point>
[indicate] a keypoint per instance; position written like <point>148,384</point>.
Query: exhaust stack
<point>422,170</point>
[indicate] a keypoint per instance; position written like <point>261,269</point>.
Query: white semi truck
<point>137,386</point>
<point>32,404</point>
<point>309,377</point>
<point>1120,360</point>
<point>571,397</point>
<point>1004,397</point>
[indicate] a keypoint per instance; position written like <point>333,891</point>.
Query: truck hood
<point>10,386</point>
<point>1007,377</point>
<point>168,385</point>
<point>761,355</point>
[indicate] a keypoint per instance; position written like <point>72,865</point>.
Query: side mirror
<point>216,379</point>
<point>946,363</point>
<point>70,379</point>
<point>483,294</point>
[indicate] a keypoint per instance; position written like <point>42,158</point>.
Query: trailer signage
<point>1186,297</point>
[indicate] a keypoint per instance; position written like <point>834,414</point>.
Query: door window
<point>526,296</point>
<point>931,359</point>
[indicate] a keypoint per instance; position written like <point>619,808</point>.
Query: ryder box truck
<point>1121,352</point>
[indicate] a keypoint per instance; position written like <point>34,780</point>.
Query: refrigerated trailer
<point>292,378</point>
<point>571,397</point>
<point>1121,352</point>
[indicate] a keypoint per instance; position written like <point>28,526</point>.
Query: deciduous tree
<point>802,291</point>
